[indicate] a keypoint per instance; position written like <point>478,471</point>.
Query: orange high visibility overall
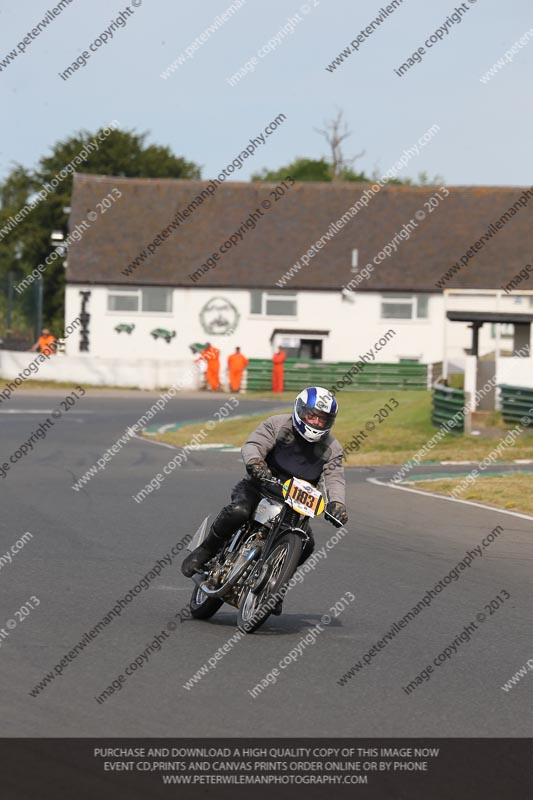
<point>47,345</point>
<point>211,355</point>
<point>237,363</point>
<point>278,371</point>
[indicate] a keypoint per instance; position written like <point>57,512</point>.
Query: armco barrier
<point>302,372</point>
<point>517,402</point>
<point>446,403</point>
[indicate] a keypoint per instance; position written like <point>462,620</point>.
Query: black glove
<point>337,510</point>
<point>259,470</point>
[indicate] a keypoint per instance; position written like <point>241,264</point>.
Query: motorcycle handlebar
<point>275,489</point>
<point>329,517</point>
<point>334,521</point>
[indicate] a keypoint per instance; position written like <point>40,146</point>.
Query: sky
<point>485,128</point>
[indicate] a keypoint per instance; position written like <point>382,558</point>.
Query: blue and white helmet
<point>315,410</point>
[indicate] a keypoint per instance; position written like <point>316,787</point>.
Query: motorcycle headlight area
<point>303,498</point>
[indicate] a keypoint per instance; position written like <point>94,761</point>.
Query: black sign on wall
<point>84,318</point>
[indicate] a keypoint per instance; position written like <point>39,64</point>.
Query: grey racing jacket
<point>277,435</point>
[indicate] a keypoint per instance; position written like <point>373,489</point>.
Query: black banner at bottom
<point>137,769</point>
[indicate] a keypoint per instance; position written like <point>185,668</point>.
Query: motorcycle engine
<point>256,539</point>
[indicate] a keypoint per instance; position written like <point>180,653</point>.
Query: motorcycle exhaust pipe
<point>233,577</point>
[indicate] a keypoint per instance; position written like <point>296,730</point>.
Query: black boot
<point>201,554</point>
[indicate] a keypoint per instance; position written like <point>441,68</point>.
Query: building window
<point>123,300</point>
<point>422,302</point>
<point>156,298</point>
<point>273,304</point>
<point>256,302</point>
<point>506,330</point>
<point>405,306</point>
<point>150,300</point>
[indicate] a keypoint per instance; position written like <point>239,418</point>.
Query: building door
<point>522,336</point>
<point>310,348</point>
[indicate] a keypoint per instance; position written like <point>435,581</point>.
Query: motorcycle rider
<point>282,446</point>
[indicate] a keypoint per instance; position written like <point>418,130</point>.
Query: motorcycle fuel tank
<point>266,510</point>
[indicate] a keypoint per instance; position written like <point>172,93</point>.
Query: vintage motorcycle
<point>251,570</point>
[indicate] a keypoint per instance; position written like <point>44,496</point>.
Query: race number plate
<point>303,497</point>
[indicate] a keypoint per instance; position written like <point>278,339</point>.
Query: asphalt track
<point>90,547</point>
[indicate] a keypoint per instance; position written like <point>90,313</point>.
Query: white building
<point>167,263</point>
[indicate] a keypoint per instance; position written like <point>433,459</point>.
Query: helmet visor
<point>316,419</point>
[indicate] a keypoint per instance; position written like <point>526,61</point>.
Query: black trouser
<point>244,499</point>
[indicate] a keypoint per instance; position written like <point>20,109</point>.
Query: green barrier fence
<point>300,373</point>
<point>517,403</point>
<point>446,403</point>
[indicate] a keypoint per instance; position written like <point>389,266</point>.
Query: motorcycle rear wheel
<point>254,609</point>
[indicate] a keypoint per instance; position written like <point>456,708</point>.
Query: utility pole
<point>38,306</point>
<point>9,302</point>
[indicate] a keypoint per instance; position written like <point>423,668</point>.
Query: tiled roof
<point>288,229</point>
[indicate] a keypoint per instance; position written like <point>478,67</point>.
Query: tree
<point>121,153</point>
<point>334,134</point>
<point>307,169</point>
<point>335,167</point>
<point>424,180</point>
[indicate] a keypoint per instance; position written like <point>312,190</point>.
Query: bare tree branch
<point>335,133</point>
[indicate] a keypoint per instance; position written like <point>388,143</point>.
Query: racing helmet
<point>315,410</point>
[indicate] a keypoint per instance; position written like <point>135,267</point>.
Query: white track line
<point>28,411</point>
<point>456,463</point>
<point>35,411</point>
<point>154,441</point>
<point>444,497</point>
<point>164,428</point>
<point>171,446</point>
<point>219,448</point>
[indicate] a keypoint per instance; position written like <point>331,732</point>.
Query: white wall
<point>354,326</point>
<point>515,371</point>
<point>90,370</point>
<point>357,325</point>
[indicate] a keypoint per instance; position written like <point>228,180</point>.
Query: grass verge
<point>511,492</point>
<point>394,439</point>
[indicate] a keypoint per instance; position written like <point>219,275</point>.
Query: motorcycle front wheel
<point>202,606</point>
<point>280,566</point>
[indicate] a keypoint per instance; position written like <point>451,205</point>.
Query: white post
<point>498,326</point>
<point>444,337</point>
<point>471,380</point>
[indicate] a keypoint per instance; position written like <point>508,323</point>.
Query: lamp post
<point>9,302</point>
<point>38,306</point>
<point>56,239</point>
